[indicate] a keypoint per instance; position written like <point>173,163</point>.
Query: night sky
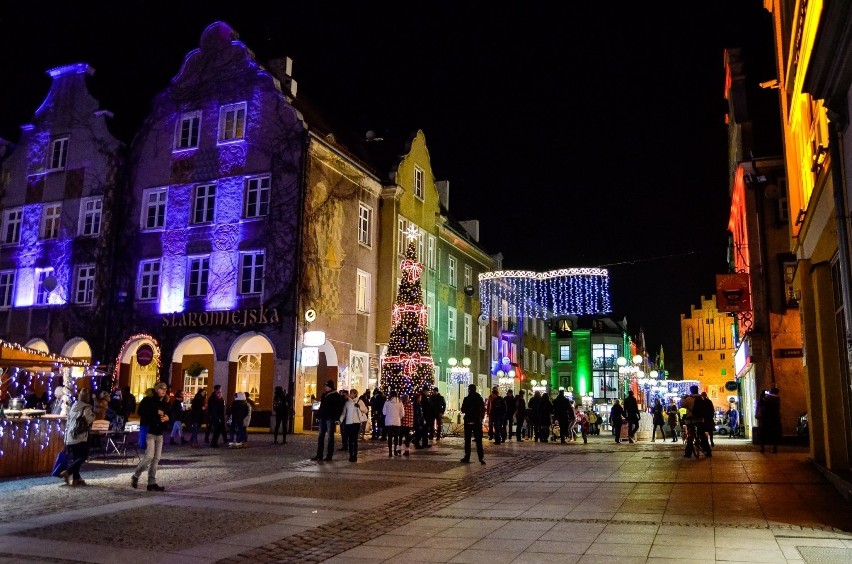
<point>579,135</point>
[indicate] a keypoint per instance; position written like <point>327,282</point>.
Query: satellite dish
<point>468,290</point>
<point>483,319</point>
<point>49,283</point>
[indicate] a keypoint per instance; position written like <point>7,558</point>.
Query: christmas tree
<point>407,366</point>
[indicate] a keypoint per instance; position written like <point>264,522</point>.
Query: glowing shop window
<point>248,374</point>
<point>191,385</point>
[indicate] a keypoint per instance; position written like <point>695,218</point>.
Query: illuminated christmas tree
<point>407,366</point>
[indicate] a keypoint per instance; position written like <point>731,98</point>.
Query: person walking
<point>498,415</point>
<point>544,416</point>
<point>672,415</point>
<point>153,413</point>
<point>393,412</point>
<point>509,400</point>
<point>282,407</point>
<point>407,422</point>
<point>197,409</point>
<point>694,421</point>
<point>439,407</point>
<point>377,404</point>
<point>769,419</point>
<point>473,408</point>
<point>631,411</point>
<point>354,412</point>
<point>616,419</point>
<point>216,416</point>
<point>520,413</point>
<point>561,405</point>
<point>80,418</point>
<point>177,411</point>
<point>659,420</point>
<point>331,406</point>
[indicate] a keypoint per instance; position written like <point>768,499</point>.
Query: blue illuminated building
<point>212,228</point>
<point>58,186</point>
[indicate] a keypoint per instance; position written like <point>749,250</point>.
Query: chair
<point>97,432</point>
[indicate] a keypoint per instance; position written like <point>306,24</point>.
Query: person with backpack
<point>80,418</point>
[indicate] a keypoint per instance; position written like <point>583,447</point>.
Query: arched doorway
<point>252,368</point>
<point>137,365</point>
<point>193,366</point>
<point>74,377</point>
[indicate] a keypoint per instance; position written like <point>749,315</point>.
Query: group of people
<point>431,404</point>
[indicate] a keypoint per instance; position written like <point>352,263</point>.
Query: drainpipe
<point>303,187</point>
<point>835,135</point>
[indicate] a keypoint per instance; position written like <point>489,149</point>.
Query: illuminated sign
<point>242,317</point>
<point>741,358</point>
<point>310,356</point>
<point>732,292</point>
<point>313,338</point>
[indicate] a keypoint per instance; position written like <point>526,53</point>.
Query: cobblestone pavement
<point>531,502</point>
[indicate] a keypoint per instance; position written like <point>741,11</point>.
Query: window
<point>451,271</point>
<point>199,272</point>
<point>430,307</point>
<point>421,246</point>
<point>451,323</point>
<point>232,122</point>
<point>418,183</point>
<point>542,364</point>
<point>534,327</point>
<point>154,209</point>
<point>251,272</point>
<point>605,356</point>
<point>257,197</point>
<point>85,284</point>
<point>789,273</point>
<point>495,349</point>
<point>402,225</point>
<point>58,154</point>
<point>722,356</point>
<point>514,356</point>
<point>527,359</point>
<point>149,280</point>
<point>91,213</point>
<point>564,352</point>
<point>468,329</point>
<point>783,201</point>
<point>204,203</point>
<point>42,293</point>
<point>482,337</point>
<point>186,132</point>
<point>7,287</point>
<point>362,298</point>
<point>700,357</point>
<point>50,216</point>
<point>468,276</point>
<point>365,225</point>
<point>12,226</point>
<point>431,254</point>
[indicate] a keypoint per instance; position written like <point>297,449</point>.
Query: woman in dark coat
<point>544,411</point>
<point>616,419</point>
<point>659,420</point>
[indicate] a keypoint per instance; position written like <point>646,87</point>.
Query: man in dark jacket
<point>497,417</point>
<point>631,411</point>
<point>438,407</point>
<point>561,406</point>
<point>216,415</point>
<point>473,408</point>
<point>331,406</point>
<point>153,412</point>
<point>377,403</point>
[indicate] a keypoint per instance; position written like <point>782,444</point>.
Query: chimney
<point>443,187</point>
<point>282,70</point>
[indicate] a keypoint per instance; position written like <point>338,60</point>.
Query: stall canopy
<point>13,354</point>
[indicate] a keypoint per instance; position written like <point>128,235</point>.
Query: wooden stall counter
<point>29,445</point>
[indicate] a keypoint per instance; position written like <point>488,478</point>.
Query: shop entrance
<point>252,369</point>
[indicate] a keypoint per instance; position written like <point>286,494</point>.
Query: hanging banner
<point>732,293</point>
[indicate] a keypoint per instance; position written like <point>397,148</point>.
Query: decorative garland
<point>123,349</point>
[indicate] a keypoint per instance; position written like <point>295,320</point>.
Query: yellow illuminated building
<point>707,346</point>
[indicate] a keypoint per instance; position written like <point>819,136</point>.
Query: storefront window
<point>191,385</point>
<point>248,374</point>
